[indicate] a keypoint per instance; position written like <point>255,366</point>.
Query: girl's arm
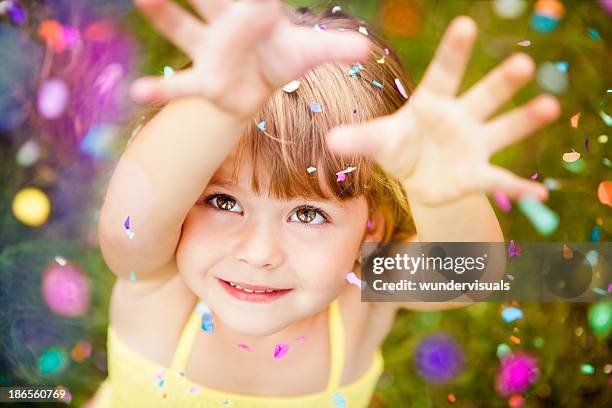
<point>245,51</point>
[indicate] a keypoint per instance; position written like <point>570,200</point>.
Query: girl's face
<point>300,249</point>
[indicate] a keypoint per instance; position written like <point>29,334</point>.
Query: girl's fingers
<point>159,89</point>
<point>497,178</point>
<point>175,23</point>
<point>210,9</point>
<point>491,92</point>
<point>520,122</point>
<point>444,74</point>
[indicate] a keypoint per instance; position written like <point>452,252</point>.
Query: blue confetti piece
<point>262,125</point>
<point>600,291</point>
<point>594,34</point>
<point>339,400</point>
<point>606,118</point>
<point>562,66</point>
<point>511,314</point>
<point>378,84</point>
<point>542,23</point>
<point>161,383</point>
<point>541,217</point>
<point>592,257</point>
<point>315,107</point>
<point>168,71</point>
<point>207,322</point>
<point>595,233</point>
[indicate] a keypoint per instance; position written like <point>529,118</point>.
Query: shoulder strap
<point>337,345</point>
<point>185,344</point>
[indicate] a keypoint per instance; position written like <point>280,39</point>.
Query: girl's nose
<point>259,246</point>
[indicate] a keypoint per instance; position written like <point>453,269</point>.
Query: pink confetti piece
<point>244,347</point>
<point>109,77</point>
<point>303,338</point>
<point>510,277</point>
<point>194,389</point>
<point>502,201</point>
<point>387,51</point>
<point>610,288</point>
<point>281,350</point>
<point>341,176</point>
<point>524,43</point>
<point>369,224</point>
<point>401,88</point>
<point>354,280</point>
<point>534,176</point>
<point>159,375</point>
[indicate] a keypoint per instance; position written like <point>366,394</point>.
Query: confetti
<point>503,350</point>
<point>401,88</point>
<point>551,79</point>
<point>318,28</point>
<point>610,288</point>
<point>511,314</point>
<point>341,176</point>
<point>336,9</point>
<point>51,31</point>
<point>516,401</point>
<point>451,398</point>
<point>291,86</point>
<point>534,176</point>
<point>363,30</point>
<point>602,139</point>
<point>515,339</point>
<point>387,51</point>
<point>567,252</point>
<point>315,107</point>
<point>600,291</point>
<point>502,201</point>
<point>511,277</point>
<point>132,277</point>
<point>606,118</point>
<point>194,389</point>
<point>53,98</point>
<point>552,184</point>
<point>592,257</point>
<point>574,120</point>
<point>586,144</point>
<point>508,9</point>
<point>355,69</point>
<point>571,156</point>
<point>244,347</point>
<point>301,338</point>
<point>369,224</point>
<point>15,12</point>
<point>207,322</point>
<point>31,206</point>
<point>128,230</point>
<point>354,280</point>
<point>513,249</point>
<point>543,218</point>
<point>161,383</point>
<point>108,78</point>
<point>587,369</point>
<point>339,400</point>
<point>594,34</point>
<point>381,60</point>
<point>60,260</point>
<point>524,43</point>
<point>378,84</point>
<point>281,350</point>
<point>28,153</point>
<point>595,233</point>
<point>168,71</point>
<point>562,66</point>
<point>262,125</point>
<point>311,169</point>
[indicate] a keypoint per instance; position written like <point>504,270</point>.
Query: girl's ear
<point>375,227</point>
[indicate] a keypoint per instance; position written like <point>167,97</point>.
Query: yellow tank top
<point>135,381</point>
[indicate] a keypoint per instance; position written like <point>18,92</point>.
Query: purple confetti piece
<point>610,287</point>
<point>315,107</point>
<point>387,51</point>
<point>510,277</point>
<point>513,249</point>
<point>341,176</point>
<point>534,176</point>
<point>586,144</point>
<point>244,347</point>
<point>281,350</point>
<point>401,88</point>
<point>126,223</point>
<point>194,389</point>
<point>16,13</point>
<point>53,98</point>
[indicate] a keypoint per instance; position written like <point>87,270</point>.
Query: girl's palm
<point>244,51</point>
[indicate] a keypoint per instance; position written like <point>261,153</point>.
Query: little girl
<point>234,217</point>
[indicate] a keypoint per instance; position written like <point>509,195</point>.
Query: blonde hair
<point>294,138</point>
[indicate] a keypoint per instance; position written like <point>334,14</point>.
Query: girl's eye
<point>223,202</point>
<point>306,215</point>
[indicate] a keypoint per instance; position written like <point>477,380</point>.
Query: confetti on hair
<point>168,71</point>
<point>354,280</point>
<point>262,125</point>
<point>401,88</point>
<point>513,249</point>
<point>502,201</point>
<point>291,86</point>
<point>336,9</point>
<point>381,60</point>
<point>311,169</point>
<point>604,192</point>
<point>511,314</point>
<point>606,118</point>
<point>280,350</point>
<point>571,156</point>
<point>315,107</point>
<point>387,51</point>
<point>355,69</point>
<point>369,224</point>
<point>515,339</point>
<point>363,30</point>
<point>244,347</point>
<point>562,66</point>
<point>132,277</point>
<point>339,400</point>
<point>341,176</point>
<point>542,218</point>
<point>378,84</point>
<point>524,43</point>
<point>318,28</point>
<point>574,120</point>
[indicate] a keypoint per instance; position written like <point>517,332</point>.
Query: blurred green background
<point>570,341</point>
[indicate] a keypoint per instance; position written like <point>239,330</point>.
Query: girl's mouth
<point>252,293</point>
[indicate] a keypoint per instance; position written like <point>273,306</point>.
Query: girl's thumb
<point>362,139</point>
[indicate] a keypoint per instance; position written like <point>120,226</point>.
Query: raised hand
<point>439,144</point>
<point>242,52</point>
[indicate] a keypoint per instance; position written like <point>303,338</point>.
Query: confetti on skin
<point>336,9</point>
<point>262,125</point>
<point>604,192</point>
<point>524,43</point>
<point>574,120</point>
<point>381,60</point>
<point>315,107</point>
<point>354,280</point>
<point>202,308</point>
<point>571,156</point>
<point>311,169</point>
<point>513,249</point>
<point>587,369</point>
<point>207,322</point>
<point>244,347</point>
<point>318,28</point>
<point>301,338</point>
<point>132,276</point>
<point>401,88</point>
<point>281,350</point>
<point>339,400</point>
<point>126,226</point>
<point>342,174</point>
<point>168,71</point>
<point>378,84</point>
<point>511,314</point>
<point>161,383</point>
<point>606,118</point>
<point>363,30</point>
<point>502,201</point>
<point>594,34</point>
<point>542,218</point>
<point>534,176</point>
<point>291,86</point>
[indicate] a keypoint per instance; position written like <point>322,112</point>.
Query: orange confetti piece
<point>567,252</point>
<point>452,398</point>
<point>574,120</point>
<point>571,156</point>
<point>515,340</point>
<point>51,31</point>
<point>604,192</point>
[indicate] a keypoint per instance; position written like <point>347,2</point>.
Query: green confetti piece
<point>587,369</point>
<point>544,220</point>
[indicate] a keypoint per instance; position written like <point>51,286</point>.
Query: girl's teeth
<point>249,290</point>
